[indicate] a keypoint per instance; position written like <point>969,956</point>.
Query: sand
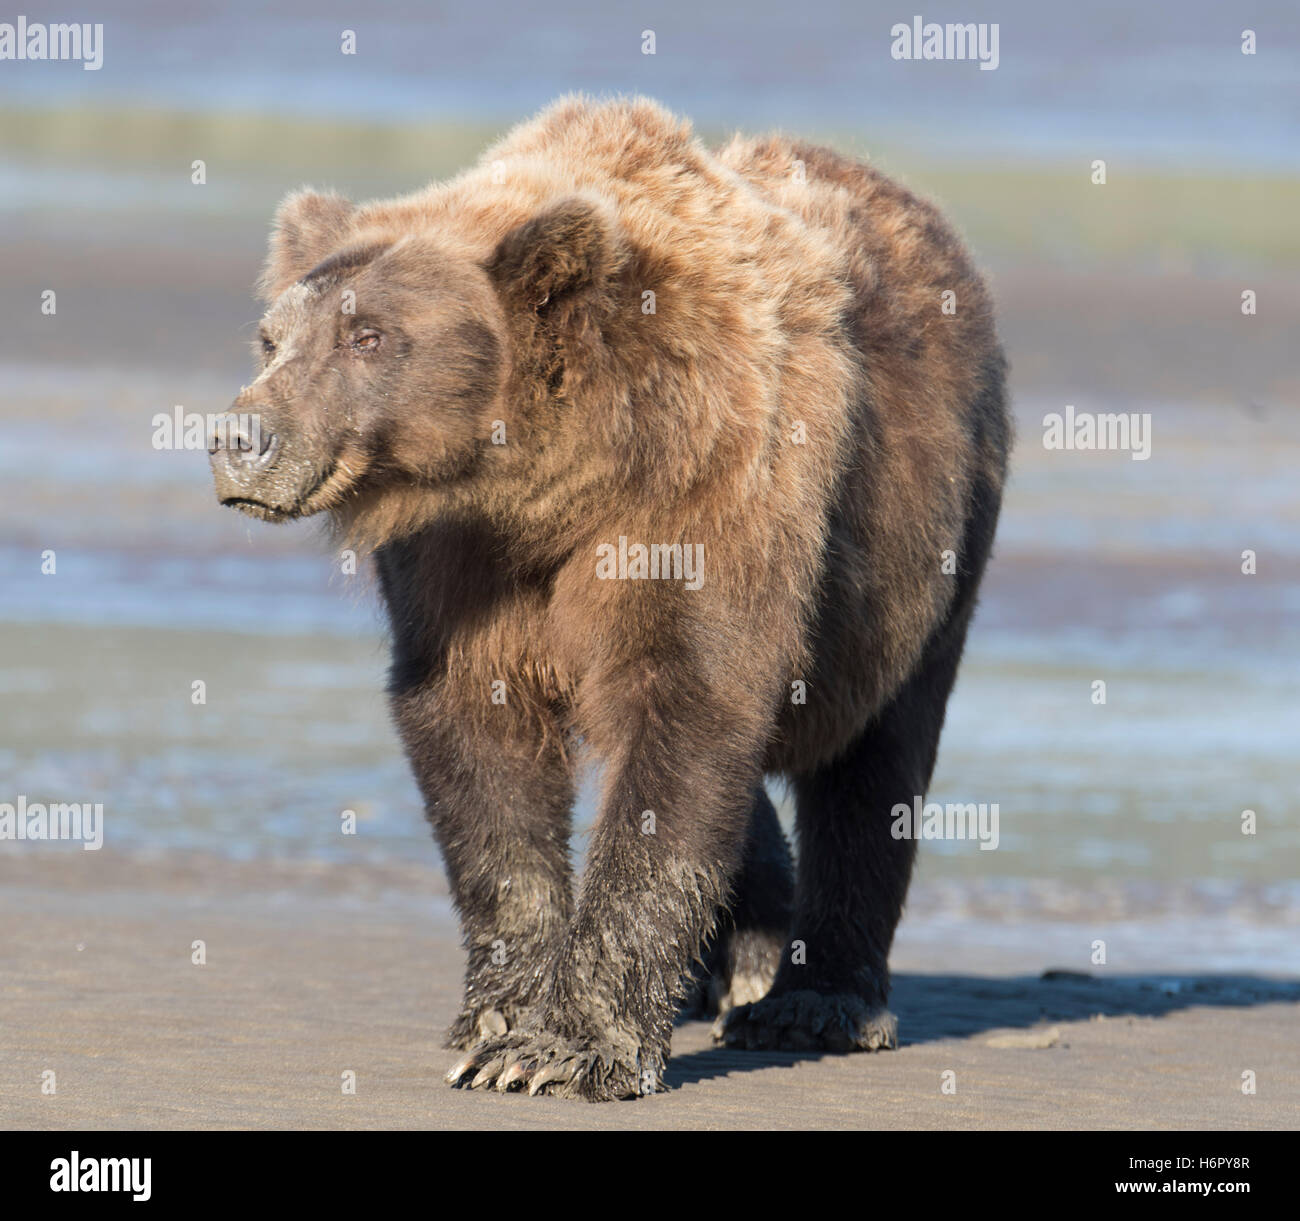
<point>315,970</point>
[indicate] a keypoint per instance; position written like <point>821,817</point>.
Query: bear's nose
<point>247,446</point>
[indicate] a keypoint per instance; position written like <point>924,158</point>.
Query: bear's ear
<point>570,246</point>
<point>308,226</point>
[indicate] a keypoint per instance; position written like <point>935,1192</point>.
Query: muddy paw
<point>473,1026</point>
<point>808,1021</point>
<point>742,973</point>
<point>543,1063</point>
<point>741,989</point>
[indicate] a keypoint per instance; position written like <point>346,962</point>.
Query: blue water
<point>1154,82</point>
<point>1107,569</point>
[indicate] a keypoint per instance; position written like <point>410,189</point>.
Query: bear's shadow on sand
<point>935,1007</point>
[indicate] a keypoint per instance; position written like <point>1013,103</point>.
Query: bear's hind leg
<point>739,961</point>
<point>832,987</point>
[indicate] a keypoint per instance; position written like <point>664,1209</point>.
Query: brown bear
<point>684,460</point>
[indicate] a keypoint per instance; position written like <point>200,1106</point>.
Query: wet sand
<point>315,970</point>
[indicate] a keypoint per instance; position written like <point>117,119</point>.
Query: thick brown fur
<point>799,404</point>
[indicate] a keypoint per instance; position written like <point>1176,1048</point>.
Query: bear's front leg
<point>668,841</point>
<point>498,790</point>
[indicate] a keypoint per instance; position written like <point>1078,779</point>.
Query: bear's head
<point>387,351</point>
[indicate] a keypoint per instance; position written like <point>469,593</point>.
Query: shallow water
<point>1131,808</point>
<point>1107,569</point>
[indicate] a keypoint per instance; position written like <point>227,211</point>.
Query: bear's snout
<point>245,457</point>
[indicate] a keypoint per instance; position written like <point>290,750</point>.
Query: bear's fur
<point>504,406</point>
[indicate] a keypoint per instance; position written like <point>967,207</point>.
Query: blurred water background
<point>1123,297</point>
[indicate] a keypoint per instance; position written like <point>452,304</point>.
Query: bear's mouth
<point>323,492</point>
<point>265,511</point>
<point>255,508</point>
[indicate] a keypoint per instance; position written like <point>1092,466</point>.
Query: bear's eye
<point>366,341</point>
<point>268,346</point>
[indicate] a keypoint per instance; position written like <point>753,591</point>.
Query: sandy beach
<point>313,971</point>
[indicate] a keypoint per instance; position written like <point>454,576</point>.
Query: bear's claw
<point>808,1021</point>
<point>543,1063</point>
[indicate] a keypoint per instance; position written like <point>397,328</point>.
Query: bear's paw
<point>538,1062</point>
<point>808,1021</point>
